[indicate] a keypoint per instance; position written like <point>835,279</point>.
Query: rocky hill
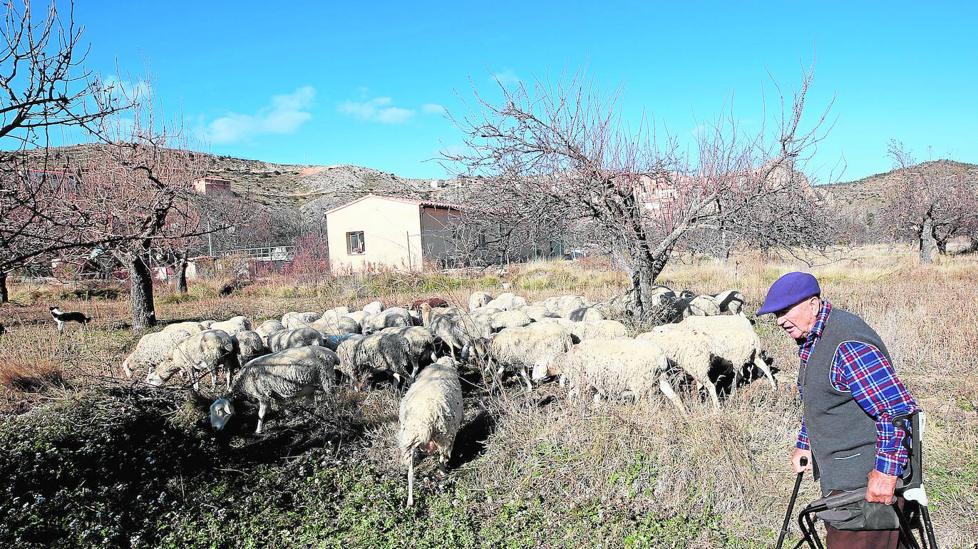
<point>866,194</point>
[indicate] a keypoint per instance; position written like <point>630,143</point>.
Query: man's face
<point>799,319</point>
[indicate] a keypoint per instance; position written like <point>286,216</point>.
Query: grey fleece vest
<point>842,435</point>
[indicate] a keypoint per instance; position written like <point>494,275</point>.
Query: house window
<point>354,243</point>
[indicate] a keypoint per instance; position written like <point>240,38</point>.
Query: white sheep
<point>421,344</point>
<point>388,318</point>
<point>431,414</point>
<point>204,351</point>
<point>457,329</point>
<point>537,312</point>
<point>733,340</point>
<point>583,331</point>
<point>617,368</point>
<point>530,350</point>
<point>285,375</point>
<point>509,319</point>
<point>288,339</point>
<point>249,345</point>
<point>373,308</point>
<point>269,327</point>
<point>567,304</point>
<point>586,314</point>
<point>507,301</point>
<point>688,349</point>
<point>188,326</point>
<point>232,325</point>
<point>153,348</point>
<point>730,302</point>
<point>293,320</point>
<point>381,352</point>
<point>478,299</point>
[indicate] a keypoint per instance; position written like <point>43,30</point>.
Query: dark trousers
<point>864,539</point>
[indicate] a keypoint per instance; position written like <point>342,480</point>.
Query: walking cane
<point>791,504</point>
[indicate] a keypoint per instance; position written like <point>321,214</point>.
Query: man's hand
<point>796,460</point>
<point>880,488</point>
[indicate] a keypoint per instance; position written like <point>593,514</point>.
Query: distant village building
<point>386,231</point>
<point>212,186</point>
<point>377,231</point>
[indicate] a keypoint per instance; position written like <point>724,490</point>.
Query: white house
<point>385,231</point>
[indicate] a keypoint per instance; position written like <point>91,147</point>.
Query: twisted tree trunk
<point>926,240</point>
<point>182,274</point>
<point>4,293</point>
<point>140,292</point>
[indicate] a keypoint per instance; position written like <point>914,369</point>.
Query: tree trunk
<point>646,269</point>
<point>926,239</point>
<point>141,293</point>
<point>182,274</point>
<point>4,293</point>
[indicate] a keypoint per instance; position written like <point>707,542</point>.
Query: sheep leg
<point>262,408</point>
<point>713,393</point>
<point>410,500</point>
<point>526,379</point>
<point>758,362</point>
<point>671,395</point>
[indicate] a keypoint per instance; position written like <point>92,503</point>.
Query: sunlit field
<point>94,458</point>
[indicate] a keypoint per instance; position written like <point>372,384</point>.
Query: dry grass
<point>623,460</point>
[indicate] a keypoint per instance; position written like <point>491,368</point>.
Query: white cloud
<point>284,115</point>
<point>506,77</point>
<point>127,90</point>
<point>433,108</point>
<point>378,109</point>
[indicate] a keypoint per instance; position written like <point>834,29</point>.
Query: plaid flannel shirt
<point>862,370</point>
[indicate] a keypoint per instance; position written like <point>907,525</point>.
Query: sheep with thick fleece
<point>731,302</point>
<point>478,299</point>
<point>289,339</point>
<point>421,343</point>
<point>733,340</point>
<point>618,367</point>
<point>583,331</point>
<point>204,351</point>
<point>458,329</point>
<point>285,375</point>
<point>689,350</point>
<point>537,312</point>
<point>189,326</point>
<point>373,308</point>
<point>293,320</point>
<point>431,414</point>
<point>395,317</point>
<point>232,325</point>
<point>249,345</point>
<point>346,351</point>
<point>530,350</point>
<point>381,352</point>
<point>153,349</point>
<point>332,321</point>
<point>269,327</point>
<point>586,314</point>
<point>507,301</point>
<point>509,319</point>
<point>567,304</point>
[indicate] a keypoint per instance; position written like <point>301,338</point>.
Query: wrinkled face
<point>797,321</point>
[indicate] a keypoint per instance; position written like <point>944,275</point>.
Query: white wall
<point>388,226</point>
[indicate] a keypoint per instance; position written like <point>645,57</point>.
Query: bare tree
<point>930,202</point>
<point>43,88</point>
<point>562,152</point>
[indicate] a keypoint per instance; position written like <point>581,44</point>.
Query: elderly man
<point>851,394</point>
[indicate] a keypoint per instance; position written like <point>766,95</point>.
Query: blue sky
<point>366,84</point>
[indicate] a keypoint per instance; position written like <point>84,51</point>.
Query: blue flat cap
<point>789,290</point>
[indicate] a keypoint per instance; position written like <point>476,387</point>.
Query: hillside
<point>866,193</point>
<point>309,188</point>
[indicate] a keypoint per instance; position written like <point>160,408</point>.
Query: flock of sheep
<point>422,347</point>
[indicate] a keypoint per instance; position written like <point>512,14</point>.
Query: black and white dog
<point>60,317</point>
